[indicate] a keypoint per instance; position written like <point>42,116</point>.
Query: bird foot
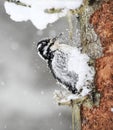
<point>67,98</point>
<point>93,100</point>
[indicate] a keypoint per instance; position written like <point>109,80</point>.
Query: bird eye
<point>38,46</point>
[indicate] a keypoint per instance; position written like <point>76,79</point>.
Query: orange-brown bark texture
<point>101,118</point>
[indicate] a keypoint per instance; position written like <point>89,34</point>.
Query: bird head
<point>46,46</point>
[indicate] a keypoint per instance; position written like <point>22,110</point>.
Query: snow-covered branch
<point>40,12</point>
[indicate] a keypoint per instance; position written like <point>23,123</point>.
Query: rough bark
<point>101,118</point>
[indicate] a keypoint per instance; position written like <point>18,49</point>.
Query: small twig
<point>18,2</point>
<point>64,103</point>
<point>53,10</point>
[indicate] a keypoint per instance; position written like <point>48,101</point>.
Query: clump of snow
<point>2,83</point>
<point>78,63</point>
<point>16,12</point>
<point>111,109</point>
<point>59,114</point>
<point>42,92</point>
<point>36,13</point>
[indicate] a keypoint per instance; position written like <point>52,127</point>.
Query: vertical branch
<point>83,25</point>
<point>73,118</point>
<point>69,16</point>
<point>76,118</point>
<point>75,104</point>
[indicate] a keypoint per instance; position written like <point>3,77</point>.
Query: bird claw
<point>67,98</point>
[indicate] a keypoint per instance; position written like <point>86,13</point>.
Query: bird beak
<point>54,40</point>
<point>57,37</point>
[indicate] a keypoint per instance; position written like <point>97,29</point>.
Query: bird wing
<point>60,71</point>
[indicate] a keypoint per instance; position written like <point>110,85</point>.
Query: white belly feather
<point>68,63</point>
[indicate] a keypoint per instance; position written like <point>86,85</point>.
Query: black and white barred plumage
<point>67,64</point>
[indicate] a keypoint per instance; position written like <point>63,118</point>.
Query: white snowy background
<point>26,86</point>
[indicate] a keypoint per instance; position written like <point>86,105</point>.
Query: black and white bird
<point>68,66</point>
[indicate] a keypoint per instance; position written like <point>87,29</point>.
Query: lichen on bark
<point>89,39</point>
